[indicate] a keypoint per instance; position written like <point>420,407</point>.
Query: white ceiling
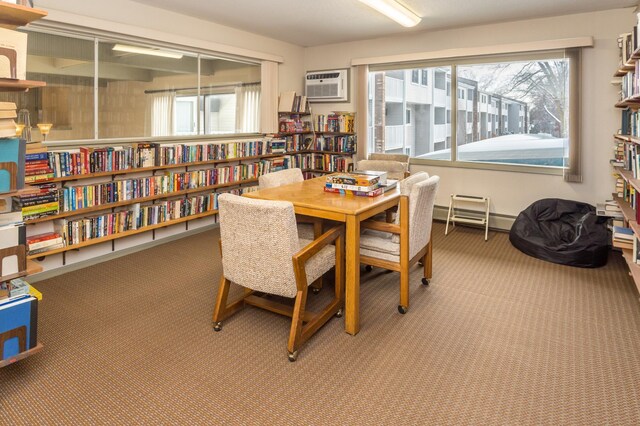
<point>318,22</point>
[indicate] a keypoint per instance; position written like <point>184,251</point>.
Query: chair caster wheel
<point>425,281</point>
<point>293,356</point>
<point>217,326</point>
<point>315,290</point>
<point>339,313</point>
<point>368,268</point>
<point>402,309</point>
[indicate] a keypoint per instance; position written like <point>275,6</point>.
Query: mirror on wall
<point>141,91</point>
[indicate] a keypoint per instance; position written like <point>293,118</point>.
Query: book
<point>382,176</point>
<point>47,248</point>
<point>9,114</point>
<point>374,193</point>
<point>353,179</point>
<point>622,233</point>
<point>351,187</point>
<point>8,106</point>
<point>286,101</point>
<point>44,244</point>
<point>19,313</point>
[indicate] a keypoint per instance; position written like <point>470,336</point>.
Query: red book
<point>42,237</point>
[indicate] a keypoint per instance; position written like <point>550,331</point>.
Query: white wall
<point>512,192</point>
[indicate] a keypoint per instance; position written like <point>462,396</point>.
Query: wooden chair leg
<point>404,292</point>
<point>221,300</point>
<point>428,261</point>
<point>296,324</point>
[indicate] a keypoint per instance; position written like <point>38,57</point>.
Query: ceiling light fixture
<point>146,51</point>
<point>395,11</point>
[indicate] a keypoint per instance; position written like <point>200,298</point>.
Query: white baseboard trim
<point>116,254</point>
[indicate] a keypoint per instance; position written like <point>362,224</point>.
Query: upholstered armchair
<point>262,252</point>
<point>391,160</point>
<point>308,227</point>
<point>399,245</point>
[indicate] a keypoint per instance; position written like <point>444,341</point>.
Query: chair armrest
<point>380,226</point>
<point>318,244</point>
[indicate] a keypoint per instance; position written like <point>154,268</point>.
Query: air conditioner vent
<point>327,86</point>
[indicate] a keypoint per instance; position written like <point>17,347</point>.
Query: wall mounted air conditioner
<point>327,86</point>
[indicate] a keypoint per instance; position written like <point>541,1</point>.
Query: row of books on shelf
<point>48,200</point>
<point>317,161</point>
<point>137,216</point>
<point>299,142</point>
<point>294,125</point>
<point>630,122</point>
<point>337,122</point>
<point>84,196</point>
<point>630,85</point>
<point>631,159</point>
<point>345,144</point>
<point>78,161</point>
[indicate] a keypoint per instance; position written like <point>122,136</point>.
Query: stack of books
<point>41,243</point>
<point>623,237</point>
<point>7,123</point>
<point>609,208</point>
<point>43,200</point>
<point>37,167</point>
<point>363,184</point>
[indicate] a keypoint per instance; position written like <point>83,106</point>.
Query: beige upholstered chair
<point>262,252</point>
<point>397,246</point>
<point>403,158</point>
<point>279,178</point>
<point>308,227</point>
<point>394,169</point>
<point>392,160</point>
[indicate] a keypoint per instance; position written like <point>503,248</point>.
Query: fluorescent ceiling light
<point>395,11</point>
<point>146,51</point>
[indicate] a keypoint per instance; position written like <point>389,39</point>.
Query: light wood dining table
<point>310,199</point>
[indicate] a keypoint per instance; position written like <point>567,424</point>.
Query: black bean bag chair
<point>562,231</point>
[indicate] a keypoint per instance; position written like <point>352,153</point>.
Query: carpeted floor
<point>498,338</point>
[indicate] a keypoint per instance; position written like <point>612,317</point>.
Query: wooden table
<point>309,199</point>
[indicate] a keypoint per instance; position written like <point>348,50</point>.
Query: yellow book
<point>35,293</point>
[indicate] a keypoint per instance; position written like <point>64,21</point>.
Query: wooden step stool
<point>454,217</point>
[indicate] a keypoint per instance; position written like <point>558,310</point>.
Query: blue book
<point>15,315</point>
<point>12,150</point>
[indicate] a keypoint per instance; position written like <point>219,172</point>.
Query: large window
<point>515,112</point>
<point>140,90</point>
<point>424,127</point>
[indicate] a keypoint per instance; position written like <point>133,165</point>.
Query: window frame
<point>574,83</point>
<point>100,36</point>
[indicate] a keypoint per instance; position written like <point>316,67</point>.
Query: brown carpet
<point>498,338</point>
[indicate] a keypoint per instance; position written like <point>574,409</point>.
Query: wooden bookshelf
<point>13,16</point>
<point>627,211</point>
<point>154,168</point>
<point>139,200</point>
<point>628,176</point>
<point>116,235</point>
<point>137,170</point>
<point>9,85</point>
<point>22,355</point>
